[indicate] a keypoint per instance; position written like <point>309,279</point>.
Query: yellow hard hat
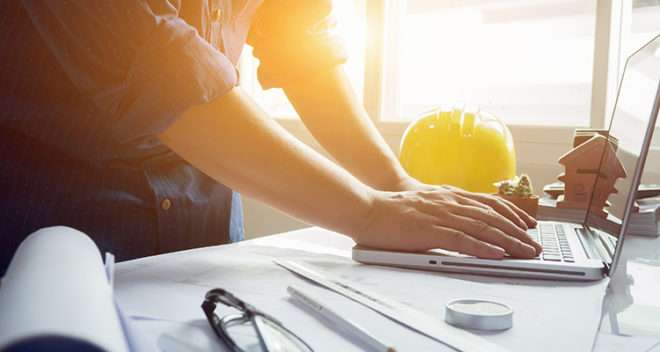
<point>471,150</point>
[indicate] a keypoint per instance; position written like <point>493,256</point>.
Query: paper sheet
<point>171,288</point>
<point>56,285</point>
<point>425,324</point>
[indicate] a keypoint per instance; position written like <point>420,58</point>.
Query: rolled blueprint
<point>56,296</point>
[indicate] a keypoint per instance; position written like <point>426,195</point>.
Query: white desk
<point>164,294</point>
<point>631,311</point>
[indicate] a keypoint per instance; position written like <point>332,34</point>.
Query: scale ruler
<point>424,324</point>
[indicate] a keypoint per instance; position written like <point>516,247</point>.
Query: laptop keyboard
<point>552,238</point>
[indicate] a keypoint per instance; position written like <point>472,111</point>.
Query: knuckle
<point>501,204</point>
<point>499,235</point>
<point>521,245</point>
<point>399,196</point>
<point>447,205</point>
<point>428,193</point>
<point>487,212</point>
<point>418,202</point>
<point>479,225</point>
<point>512,242</point>
<point>490,199</point>
<point>415,199</point>
<point>478,204</point>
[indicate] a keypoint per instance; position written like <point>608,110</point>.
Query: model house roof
<point>587,156</point>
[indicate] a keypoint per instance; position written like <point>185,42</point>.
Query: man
<point>123,118</point>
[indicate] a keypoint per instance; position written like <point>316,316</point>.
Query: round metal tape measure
<point>478,314</point>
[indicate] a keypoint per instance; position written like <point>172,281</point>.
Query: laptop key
<point>546,229</point>
<point>556,246</point>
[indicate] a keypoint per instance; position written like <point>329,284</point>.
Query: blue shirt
<point>87,85</point>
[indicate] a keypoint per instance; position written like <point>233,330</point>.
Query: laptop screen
<point>622,159</point>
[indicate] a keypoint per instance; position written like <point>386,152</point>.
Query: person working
<point>124,119</point>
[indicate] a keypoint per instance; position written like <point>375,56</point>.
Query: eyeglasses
<point>251,330</point>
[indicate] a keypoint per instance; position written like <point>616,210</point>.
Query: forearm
<point>331,111</point>
<point>233,141</point>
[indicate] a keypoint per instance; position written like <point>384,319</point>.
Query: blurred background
<point>545,67</point>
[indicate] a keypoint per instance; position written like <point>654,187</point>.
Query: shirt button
<point>166,204</point>
<point>217,15</point>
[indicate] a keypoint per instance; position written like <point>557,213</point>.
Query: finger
<point>531,222</point>
<point>468,201</point>
<point>479,229</point>
<point>496,220</point>
<point>484,232</point>
<point>526,218</point>
<point>421,234</point>
<point>458,241</point>
<point>501,207</point>
<point>504,209</point>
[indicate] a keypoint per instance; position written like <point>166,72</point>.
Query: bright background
<point>543,66</point>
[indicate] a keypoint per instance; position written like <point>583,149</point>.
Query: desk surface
<point>163,294</point>
<point>631,311</point>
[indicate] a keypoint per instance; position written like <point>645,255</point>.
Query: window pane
<point>528,62</point>
<point>644,24</point>
<point>352,28</point>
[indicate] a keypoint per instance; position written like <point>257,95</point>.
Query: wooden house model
<point>582,178</point>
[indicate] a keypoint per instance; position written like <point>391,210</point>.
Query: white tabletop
<point>163,294</point>
<point>631,313</point>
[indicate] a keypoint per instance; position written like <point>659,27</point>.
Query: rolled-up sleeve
<point>140,64</point>
<point>293,39</point>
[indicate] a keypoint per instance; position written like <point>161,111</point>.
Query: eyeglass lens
<point>245,333</point>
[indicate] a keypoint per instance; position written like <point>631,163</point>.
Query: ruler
<point>411,318</point>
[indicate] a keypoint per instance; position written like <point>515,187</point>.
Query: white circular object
<point>479,314</point>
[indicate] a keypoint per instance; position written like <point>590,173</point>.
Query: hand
<point>448,218</point>
<point>501,205</point>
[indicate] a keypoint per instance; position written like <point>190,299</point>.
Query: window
<point>643,26</point>
<point>532,63</point>
<point>351,26</point>
<point>528,62</point>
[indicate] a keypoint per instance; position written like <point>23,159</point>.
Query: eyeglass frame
<point>248,313</point>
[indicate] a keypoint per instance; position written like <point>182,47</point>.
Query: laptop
<point>572,251</point>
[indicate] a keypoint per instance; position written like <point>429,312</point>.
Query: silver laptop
<point>586,251</point>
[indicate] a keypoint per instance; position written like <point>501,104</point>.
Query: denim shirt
<point>86,87</point>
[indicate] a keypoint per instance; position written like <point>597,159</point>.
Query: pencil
<point>356,330</point>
